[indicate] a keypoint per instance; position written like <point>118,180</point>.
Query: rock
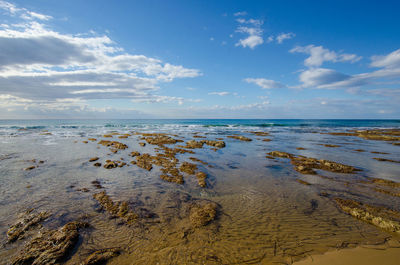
<point>159,139</point>
<point>188,168</point>
<point>192,144</point>
<point>101,256</point>
<point>144,161</point>
<point>266,140</point>
<point>201,179</point>
<point>240,137</point>
<point>280,154</point>
<point>376,134</point>
<point>25,223</point>
<point>386,160</point>
<point>92,139</point>
<point>116,209</point>
<point>175,179</point>
<point>359,150</point>
<point>217,144</point>
<point>107,136</point>
<point>93,159</point>
<point>381,217</point>
<point>97,164</point>
<point>202,213</point>
<point>113,144</point>
<point>198,160</point>
<point>134,153</point>
<point>96,184</point>
<point>301,148</point>
<point>142,144</point>
<point>384,182</point>
<point>30,168</point>
<point>50,247</point>
<point>259,133</point>
<point>303,182</point>
<point>330,145</point>
<point>110,165</point>
<point>306,165</point>
<point>388,192</point>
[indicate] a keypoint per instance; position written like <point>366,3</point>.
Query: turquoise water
<point>41,124</point>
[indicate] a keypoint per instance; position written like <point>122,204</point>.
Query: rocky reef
<point>379,216</point>
<point>240,138</point>
<point>101,256</point>
<point>51,246</point>
<point>25,222</point>
<point>116,209</point>
<point>307,165</point>
<point>202,213</point>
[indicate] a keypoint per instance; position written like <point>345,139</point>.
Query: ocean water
<point>265,216</point>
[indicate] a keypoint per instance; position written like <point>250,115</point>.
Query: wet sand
<point>365,255</point>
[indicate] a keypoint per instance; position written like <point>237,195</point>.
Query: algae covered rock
<point>240,138</point>
<point>188,168</point>
<point>201,179</point>
<point>116,209</point>
<point>25,223</point>
<point>101,256</point>
<point>384,218</point>
<point>51,246</point>
<point>202,213</point>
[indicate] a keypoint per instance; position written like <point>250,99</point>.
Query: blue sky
<point>199,59</point>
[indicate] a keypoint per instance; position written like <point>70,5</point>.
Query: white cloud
<point>319,55</point>
<point>392,60</point>
<point>241,13</point>
<point>284,36</point>
<point>219,93</point>
<point>318,77</point>
<point>264,83</point>
<point>253,31</point>
<point>22,12</point>
<point>43,65</point>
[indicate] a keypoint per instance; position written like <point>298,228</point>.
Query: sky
<point>199,59</point>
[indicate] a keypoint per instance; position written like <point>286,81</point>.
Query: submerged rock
<point>386,160</point>
<point>170,178</point>
<point>50,247</point>
<point>376,134</point>
<point>93,159</point>
<point>116,209</point>
<point>202,213</point>
<point>101,256</point>
<point>259,133</point>
<point>330,145</point>
<point>201,179</point>
<point>192,144</point>
<point>217,144</point>
<point>303,182</point>
<point>306,165</point>
<point>113,144</point>
<point>240,137</point>
<point>188,168</point>
<point>25,223</point>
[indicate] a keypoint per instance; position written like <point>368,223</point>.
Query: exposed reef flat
<point>139,195</point>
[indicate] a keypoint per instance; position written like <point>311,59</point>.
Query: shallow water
<point>265,216</point>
